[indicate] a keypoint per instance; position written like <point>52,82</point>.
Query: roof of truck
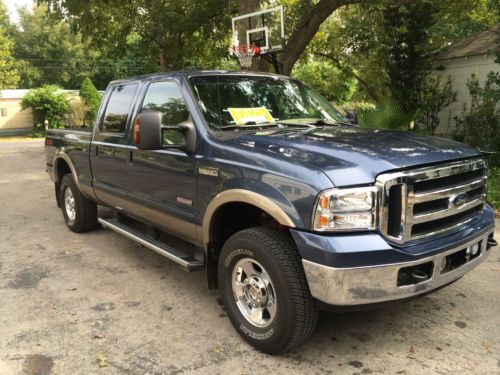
<point>194,73</point>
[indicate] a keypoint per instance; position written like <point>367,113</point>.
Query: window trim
<point>111,88</point>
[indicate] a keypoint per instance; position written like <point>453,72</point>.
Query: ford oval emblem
<point>459,200</point>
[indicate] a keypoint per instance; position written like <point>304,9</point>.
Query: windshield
<point>231,101</point>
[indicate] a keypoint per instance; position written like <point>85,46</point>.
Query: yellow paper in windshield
<point>248,115</point>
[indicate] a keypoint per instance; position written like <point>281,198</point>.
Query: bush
<point>388,114</point>
<point>494,188</point>
<point>48,104</point>
<point>77,112</point>
<point>479,125</point>
<point>91,98</point>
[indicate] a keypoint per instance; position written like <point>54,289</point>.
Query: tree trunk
<point>305,30</point>
<point>162,52</point>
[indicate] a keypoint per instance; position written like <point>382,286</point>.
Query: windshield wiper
<point>252,125</point>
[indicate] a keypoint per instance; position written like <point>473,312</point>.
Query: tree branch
<point>306,28</point>
<point>347,69</point>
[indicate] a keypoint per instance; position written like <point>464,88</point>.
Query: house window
<point>3,112</point>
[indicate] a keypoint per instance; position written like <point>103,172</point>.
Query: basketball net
<point>245,54</point>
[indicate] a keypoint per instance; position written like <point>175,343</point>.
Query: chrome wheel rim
<point>69,205</point>
<point>253,292</point>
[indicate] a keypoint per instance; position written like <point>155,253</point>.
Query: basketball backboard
<point>264,29</point>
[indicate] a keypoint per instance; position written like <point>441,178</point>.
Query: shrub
<point>388,114</point>
<point>91,98</point>
<point>494,188</point>
<point>48,104</point>
<point>480,124</point>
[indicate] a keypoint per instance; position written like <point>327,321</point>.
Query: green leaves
<point>47,103</point>
<point>91,98</point>
<point>388,114</point>
<point>8,70</point>
<point>327,79</point>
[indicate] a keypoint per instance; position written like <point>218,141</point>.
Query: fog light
<point>444,263</point>
<point>474,249</point>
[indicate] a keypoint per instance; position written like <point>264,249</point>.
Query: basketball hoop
<point>245,54</point>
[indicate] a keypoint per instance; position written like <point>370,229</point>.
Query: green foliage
<point>91,98</point>
<point>388,114</point>
<point>49,52</point>
<point>435,96</point>
<point>48,104</point>
<point>480,124</point>
<point>409,54</point>
<point>8,72</point>
<point>328,80</point>
<point>494,187</point>
<point>178,33</point>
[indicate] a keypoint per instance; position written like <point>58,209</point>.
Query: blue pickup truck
<point>289,208</point>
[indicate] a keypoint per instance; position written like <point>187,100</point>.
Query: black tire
<point>296,312</point>
<point>85,211</point>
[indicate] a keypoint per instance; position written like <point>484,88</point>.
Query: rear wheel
<point>265,290</point>
<point>80,214</point>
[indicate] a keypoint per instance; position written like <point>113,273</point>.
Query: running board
<point>169,252</point>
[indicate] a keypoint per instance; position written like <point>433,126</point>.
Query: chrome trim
<point>422,218</point>
<point>365,285</point>
<point>161,249</point>
<point>407,178</point>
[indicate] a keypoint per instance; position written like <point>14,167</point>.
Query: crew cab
<point>288,208</point>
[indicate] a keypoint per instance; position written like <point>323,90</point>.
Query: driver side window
<point>166,97</point>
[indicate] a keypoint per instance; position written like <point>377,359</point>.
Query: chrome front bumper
<point>374,284</point>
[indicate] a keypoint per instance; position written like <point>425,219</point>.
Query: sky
<point>12,6</point>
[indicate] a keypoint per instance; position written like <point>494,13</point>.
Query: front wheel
<point>80,214</point>
<point>265,290</point>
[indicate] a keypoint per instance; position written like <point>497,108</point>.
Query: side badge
<point>208,171</point>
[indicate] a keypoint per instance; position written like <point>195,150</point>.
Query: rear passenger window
<point>118,109</point>
<point>166,97</point>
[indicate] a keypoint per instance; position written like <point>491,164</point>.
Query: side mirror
<point>150,134</point>
<point>352,116</point>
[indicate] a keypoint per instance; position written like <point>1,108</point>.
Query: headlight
<point>346,209</point>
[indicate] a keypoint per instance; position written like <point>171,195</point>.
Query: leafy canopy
<point>48,104</point>
<point>91,98</point>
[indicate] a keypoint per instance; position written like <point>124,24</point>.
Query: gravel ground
<point>71,303</point>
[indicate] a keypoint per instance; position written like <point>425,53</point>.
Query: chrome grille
<point>426,201</point>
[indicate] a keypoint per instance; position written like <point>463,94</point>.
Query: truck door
<point>163,184</point>
<point>110,149</point>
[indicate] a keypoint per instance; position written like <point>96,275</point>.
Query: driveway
<point>71,303</point>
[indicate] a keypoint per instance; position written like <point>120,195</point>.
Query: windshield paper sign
<point>256,115</point>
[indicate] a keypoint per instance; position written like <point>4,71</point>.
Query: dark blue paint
<point>290,166</point>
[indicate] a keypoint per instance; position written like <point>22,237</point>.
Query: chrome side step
<point>178,257</point>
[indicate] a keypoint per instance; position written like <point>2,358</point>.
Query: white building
<point>474,54</point>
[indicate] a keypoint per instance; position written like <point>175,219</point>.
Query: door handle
<point>96,151</point>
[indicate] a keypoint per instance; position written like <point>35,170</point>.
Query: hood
<point>350,155</point>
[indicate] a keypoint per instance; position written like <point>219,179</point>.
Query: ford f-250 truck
<point>259,181</point>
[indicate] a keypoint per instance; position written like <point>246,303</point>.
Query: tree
<point>8,71</point>
<point>49,52</point>
<point>91,98</point>
<point>177,31</point>
<point>327,79</point>
<point>409,53</point>
<point>47,104</point>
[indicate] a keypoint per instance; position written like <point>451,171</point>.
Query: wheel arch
<point>256,209</point>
